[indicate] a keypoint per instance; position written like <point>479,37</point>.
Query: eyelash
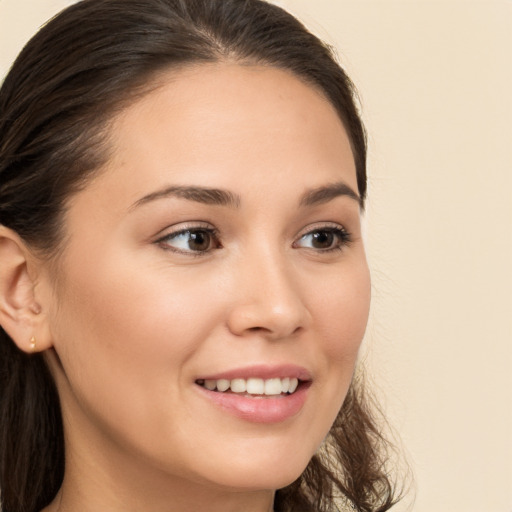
<point>212,233</point>
<point>343,237</point>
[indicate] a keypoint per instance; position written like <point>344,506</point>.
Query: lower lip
<point>259,409</point>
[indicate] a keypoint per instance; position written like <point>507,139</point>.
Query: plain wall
<point>435,80</point>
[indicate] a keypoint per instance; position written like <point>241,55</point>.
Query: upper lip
<point>262,371</point>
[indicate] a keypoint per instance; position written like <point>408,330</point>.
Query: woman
<point>184,288</point>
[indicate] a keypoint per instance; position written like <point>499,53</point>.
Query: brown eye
<point>324,240</point>
<point>198,240</point>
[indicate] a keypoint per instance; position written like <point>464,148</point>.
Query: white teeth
<point>210,384</point>
<point>238,386</point>
<point>223,384</point>
<point>273,387</point>
<point>253,386</point>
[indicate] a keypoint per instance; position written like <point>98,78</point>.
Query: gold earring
<point>33,344</point>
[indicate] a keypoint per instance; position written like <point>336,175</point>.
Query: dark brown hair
<point>69,81</point>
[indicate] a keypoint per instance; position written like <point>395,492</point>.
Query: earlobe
<point>21,316</point>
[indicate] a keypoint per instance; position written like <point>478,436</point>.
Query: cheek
<point>125,337</point>
<point>127,330</point>
<point>339,306</point>
<point>341,311</point>
<point>342,315</point>
<point>128,305</point>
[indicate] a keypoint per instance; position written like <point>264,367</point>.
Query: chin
<point>273,473</point>
<point>261,480</point>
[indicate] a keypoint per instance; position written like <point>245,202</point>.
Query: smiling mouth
<point>252,386</point>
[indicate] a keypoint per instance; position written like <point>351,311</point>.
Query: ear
<point>21,316</point>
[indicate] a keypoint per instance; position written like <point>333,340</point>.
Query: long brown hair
<point>55,105</point>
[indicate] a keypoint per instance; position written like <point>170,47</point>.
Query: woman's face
<point>221,243</point>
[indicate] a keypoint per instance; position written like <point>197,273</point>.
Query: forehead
<point>227,124</point>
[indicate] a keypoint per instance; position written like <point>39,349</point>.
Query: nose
<point>267,300</point>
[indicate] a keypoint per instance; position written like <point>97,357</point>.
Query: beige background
<point>435,79</point>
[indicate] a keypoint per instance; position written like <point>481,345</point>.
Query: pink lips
<point>260,409</point>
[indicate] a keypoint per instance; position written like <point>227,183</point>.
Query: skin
<point>134,320</point>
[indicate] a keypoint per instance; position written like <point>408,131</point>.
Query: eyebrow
<point>220,197</point>
<point>326,193</point>
<point>205,195</point>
